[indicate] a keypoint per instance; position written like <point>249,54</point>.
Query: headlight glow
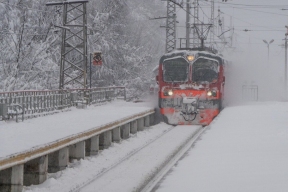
<point>170,92</point>
<point>209,93</point>
<point>212,93</point>
<point>190,57</point>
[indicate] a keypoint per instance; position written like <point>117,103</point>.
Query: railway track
<point>134,164</point>
<point>118,162</point>
<point>145,165</point>
<point>152,184</point>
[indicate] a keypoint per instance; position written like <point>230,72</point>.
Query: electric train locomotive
<point>191,86</point>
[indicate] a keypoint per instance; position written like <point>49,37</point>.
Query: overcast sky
<point>264,18</point>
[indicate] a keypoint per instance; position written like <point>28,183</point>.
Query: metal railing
<point>36,103</point>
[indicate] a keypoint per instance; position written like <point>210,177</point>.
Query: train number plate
<point>189,100</point>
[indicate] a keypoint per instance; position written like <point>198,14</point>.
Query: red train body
<point>191,86</point>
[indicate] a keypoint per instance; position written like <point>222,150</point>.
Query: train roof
<point>199,52</point>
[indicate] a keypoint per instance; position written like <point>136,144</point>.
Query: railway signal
<point>97,58</point>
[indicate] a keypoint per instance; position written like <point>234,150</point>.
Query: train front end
<point>191,85</point>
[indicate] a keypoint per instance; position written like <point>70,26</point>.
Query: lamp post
<point>268,45</point>
<point>285,79</point>
<point>285,69</point>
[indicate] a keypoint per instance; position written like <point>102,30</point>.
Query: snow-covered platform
<point>244,149</point>
<point>31,133</point>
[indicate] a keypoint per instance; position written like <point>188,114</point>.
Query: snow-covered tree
<point>30,46</point>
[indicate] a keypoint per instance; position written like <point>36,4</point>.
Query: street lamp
<point>285,79</point>
<point>268,45</point>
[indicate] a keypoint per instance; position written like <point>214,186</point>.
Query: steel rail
<point>153,181</point>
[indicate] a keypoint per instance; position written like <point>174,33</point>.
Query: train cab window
<point>204,70</point>
<point>175,70</point>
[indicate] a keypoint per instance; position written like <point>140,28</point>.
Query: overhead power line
<point>261,11</point>
<point>257,30</point>
<point>13,5</point>
<point>172,1</point>
<point>249,5</point>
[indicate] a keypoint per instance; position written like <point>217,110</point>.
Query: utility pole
<point>170,26</point>
<point>231,32</point>
<point>212,22</point>
<point>196,22</point>
<point>221,24</point>
<point>74,57</point>
<point>285,83</point>
<point>188,27</point>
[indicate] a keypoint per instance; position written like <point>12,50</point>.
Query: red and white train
<point>191,86</point>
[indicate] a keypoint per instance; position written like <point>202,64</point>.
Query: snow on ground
<point>244,149</point>
<point>17,137</point>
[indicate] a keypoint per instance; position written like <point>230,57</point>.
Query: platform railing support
<point>58,160</point>
<point>35,171</point>
<point>133,127</point>
<point>105,140</point>
<point>152,119</point>
<point>77,151</point>
<point>140,124</point>
<point>116,135</point>
<point>92,146</point>
<point>11,179</point>
<point>147,121</point>
<point>125,131</point>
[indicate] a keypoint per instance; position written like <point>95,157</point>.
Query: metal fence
<point>250,92</point>
<point>29,104</point>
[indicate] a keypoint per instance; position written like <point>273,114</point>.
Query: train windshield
<point>204,70</point>
<point>175,70</point>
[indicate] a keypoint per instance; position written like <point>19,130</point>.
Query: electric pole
<point>74,57</point>
<point>285,83</point>
<point>212,22</point>
<point>188,27</point>
<point>196,22</point>
<point>170,26</point>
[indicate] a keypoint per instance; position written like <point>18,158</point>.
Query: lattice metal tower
<point>212,33</point>
<point>171,27</point>
<point>73,66</point>
<point>196,42</point>
<point>188,25</point>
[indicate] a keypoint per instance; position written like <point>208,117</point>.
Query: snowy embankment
<point>244,149</point>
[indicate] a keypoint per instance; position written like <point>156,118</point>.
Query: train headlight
<point>190,57</point>
<point>211,93</point>
<point>170,92</point>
